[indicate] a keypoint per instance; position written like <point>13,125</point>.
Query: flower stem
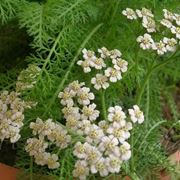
<point>149,72</point>
<point>31,168</point>
<point>103,104</point>
<point>66,75</point>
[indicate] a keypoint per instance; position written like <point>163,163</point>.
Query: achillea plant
<point>98,110</point>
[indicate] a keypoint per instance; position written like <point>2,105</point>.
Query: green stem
<point>132,152</point>
<point>147,104</point>
<point>103,104</point>
<point>143,86</point>
<point>149,72</point>
<point>51,51</point>
<point>31,168</point>
<point>71,65</point>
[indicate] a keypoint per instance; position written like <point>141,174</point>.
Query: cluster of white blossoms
<point>78,116</point>
<point>105,145</point>
<point>11,115</point>
<point>49,133</point>
<point>146,15</point>
<point>106,73</point>
<point>170,21</point>
<point>27,78</point>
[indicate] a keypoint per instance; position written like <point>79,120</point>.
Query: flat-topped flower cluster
<point>109,65</point>
<point>11,115</point>
<point>27,78</point>
<point>170,21</point>
<point>49,133</point>
<point>12,106</point>
<point>105,146</point>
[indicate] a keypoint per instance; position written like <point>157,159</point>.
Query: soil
<point>7,153</point>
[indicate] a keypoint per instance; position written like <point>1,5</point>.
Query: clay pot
<point>8,172</point>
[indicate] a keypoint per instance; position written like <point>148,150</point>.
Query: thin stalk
<point>103,104</point>
<point>149,132</point>
<point>147,104</point>
<point>149,72</point>
<point>132,152</point>
<point>31,168</point>
<point>143,86</point>
<point>51,51</point>
<point>59,88</point>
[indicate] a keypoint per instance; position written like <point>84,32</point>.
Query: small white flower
<point>90,113</point>
<point>136,114</point>
<point>94,133</point>
<point>82,125</point>
<point>3,107</point>
<point>149,24</point>
<point>17,119</point>
<point>177,19</point>
<point>40,158</point>
<point>35,126</point>
<point>113,163</point>
<point>144,12</point>
<point>51,161</point>
<point>145,41</point>
<point>100,81</point>
<point>168,15</point>
<point>129,13</point>
<point>84,96</point>
<point>118,131</point>
<point>14,134</point>
<point>108,144</point>
<point>113,74</point>
<point>176,31</point>
<point>115,53</point>
<point>166,23</point>
<point>125,152</point>
<point>160,47</point>
<point>116,114</point>
<point>66,97</point>
<point>170,44</point>
<point>80,150</point>
<point>103,125</point>
<point>72,121</point>
<point>75,86</point>
<point>120,64</point>
<point>17,105</point>
<point>35,146</point>
<point>70,110</point>
<point>88,55</point>
<point>93,154</point>
<point>104,52</point>
<point>81,170</point>
<point>60,137</point>
<point>98,63</point>
<point>4,97</point>
<point>85,65</point>
<point>100,166</point>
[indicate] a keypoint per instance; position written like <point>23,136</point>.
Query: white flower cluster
<point>146,41</point>
<point>169,19</point>
<point>11,115</point>
<point>78,117</point>
<point>105,146</point>
<point>27,78</point>
<point>163,46</point>
<point>49,133</point>
<point>112,74</point>
<point>147,16</point>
